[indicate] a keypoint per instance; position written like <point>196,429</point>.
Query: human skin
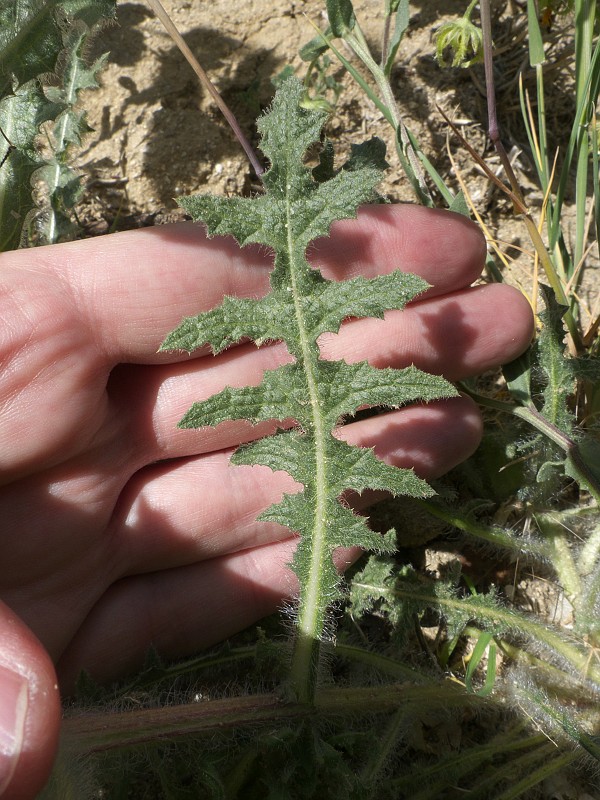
<point>118,529</point>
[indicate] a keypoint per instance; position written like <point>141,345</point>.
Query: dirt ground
<point>157,135</point>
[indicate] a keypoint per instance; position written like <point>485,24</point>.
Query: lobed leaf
<point>31,34</point>
<point>314,394</point>
<point>42,70</point>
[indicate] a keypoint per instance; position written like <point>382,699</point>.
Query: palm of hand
<point>122,531</point>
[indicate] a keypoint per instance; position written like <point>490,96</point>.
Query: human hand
<point>120,530</point>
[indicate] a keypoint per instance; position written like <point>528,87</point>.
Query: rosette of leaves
<point>316,393</point>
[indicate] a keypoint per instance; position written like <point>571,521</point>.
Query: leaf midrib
<point>310,607</point>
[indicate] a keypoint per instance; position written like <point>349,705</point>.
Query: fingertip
<point>445,248</point>
<point>516,313</point>
<point>30,710</point>
<point>430,438</point>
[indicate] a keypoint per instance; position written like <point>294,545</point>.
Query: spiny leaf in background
<point>31,34</point>
<point>51,221</point>
<point>41,72</point>
<point>315,393</point>
<point>544,380</point>
<point>21,115</point>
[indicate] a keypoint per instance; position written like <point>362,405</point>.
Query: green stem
<point>545,752</point>
<point>384,747</point>
<point>562,558</point>
<point>487,533</point>
<point>584,31</point>
<point>551,767</point>
<point>494,134</point>
<point>497,615</point>
<point>406,152</point>
<point>590,552</point>
<point>313,599</point>
<point>381,663</point>
<point>387,106</point>
<point>463,763</point>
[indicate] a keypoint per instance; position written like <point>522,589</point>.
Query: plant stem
<point>493,127</point>
<point>406,152</point>
<point>551,767</point>
<point>384,748</point>
<point>377,661</point>
<point>575,655</point>
<point>588,556</point>
<point>101,731</point>
<point>160,12</point>
<point>584,31</point>
<point>487,533</point>
<point>562,558</point>
<point>463,763</point>
<point>387,106</point>
<point>494,134</point>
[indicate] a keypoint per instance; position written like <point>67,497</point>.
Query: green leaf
<point>341,16</point>
<point>536,44</point>
<point>312,394</point>
<point>343,388</point>
<point>21,115</point>
<point>316,47</point>
<point>400,8</point>
<point>268,319</point>
<point>555,364</point>
<point>485,642</point>
<point>518,378</point>
<point>459,204</point>
<point>31,34</point>
<point>42,70</point>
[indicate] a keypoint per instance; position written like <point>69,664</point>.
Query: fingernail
<point>13,710</point>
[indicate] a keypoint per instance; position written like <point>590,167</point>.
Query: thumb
<point>29,710</point>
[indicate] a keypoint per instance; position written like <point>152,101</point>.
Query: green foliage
<point>463,38</point>
<point>315,393</point>
<point>42,71</point>
<point>398,10</point>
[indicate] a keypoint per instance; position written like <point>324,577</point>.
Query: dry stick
<point>160,12</point>
<point>575,342</point>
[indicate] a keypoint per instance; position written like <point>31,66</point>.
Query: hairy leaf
<point>63,186</point>
<point>400,9</point>
<point>314,393</point>
<point>31,34</point>
<point>557,367</point>
<point>42,70</point>
<point>21,115</point>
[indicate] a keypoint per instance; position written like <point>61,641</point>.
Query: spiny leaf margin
<point>315,393</point>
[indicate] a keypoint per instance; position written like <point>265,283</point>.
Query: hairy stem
<point>102,731</point>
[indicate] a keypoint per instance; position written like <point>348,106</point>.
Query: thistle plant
<point>42,70</point>
<point>315,393</point>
